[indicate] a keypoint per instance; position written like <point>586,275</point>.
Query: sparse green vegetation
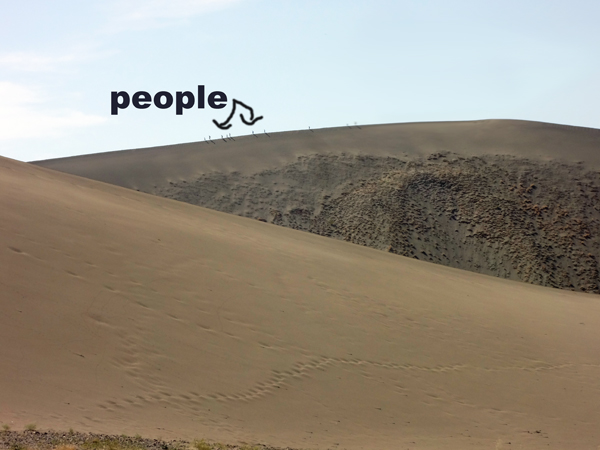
<point>30,427</point>
<point>6,427</point>
<point>201,445</point>
<point>111,443</point>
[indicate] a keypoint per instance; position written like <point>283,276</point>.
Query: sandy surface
<point>128,313</point>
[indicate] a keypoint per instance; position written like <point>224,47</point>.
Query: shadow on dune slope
<point>504,216</point>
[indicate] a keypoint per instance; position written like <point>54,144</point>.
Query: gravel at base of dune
<point>42,440</point>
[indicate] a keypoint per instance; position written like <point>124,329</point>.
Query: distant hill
<point>512,199</point>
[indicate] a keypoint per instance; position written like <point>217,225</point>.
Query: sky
<point>299,64</point>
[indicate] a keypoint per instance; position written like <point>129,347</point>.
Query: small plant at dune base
<point>5,427</point>
<point>201,445</point>
<point>93,444</point>
<point>30,427</point>
<point>110,443</point>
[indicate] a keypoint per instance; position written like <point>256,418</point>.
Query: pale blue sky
<point>298,63</point>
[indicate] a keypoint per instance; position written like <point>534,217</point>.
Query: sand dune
<point>512,199</point>
<point>128,313</point>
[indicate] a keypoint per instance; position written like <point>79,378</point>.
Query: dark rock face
<point>533,221</point>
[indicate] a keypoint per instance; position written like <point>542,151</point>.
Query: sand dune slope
<point>127,313</point>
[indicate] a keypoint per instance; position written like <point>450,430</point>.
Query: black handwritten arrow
<point>226,125</point>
